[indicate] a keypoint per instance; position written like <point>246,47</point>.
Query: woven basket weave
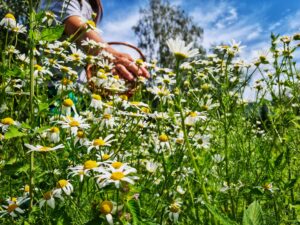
<point>131,86</point>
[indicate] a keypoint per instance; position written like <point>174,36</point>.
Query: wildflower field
<point>182,147</point>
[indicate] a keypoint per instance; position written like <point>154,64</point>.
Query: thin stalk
<point>31,48</point>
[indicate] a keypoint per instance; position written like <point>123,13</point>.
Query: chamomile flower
<point>50,18</point>
<point>9,21</point>
<point>107,119</point>
<point>14,207</point>
<point>40,71</point>
<point>108,208</point>
<point>84,170</point>
<point>151,166</point>
<point>193,118</point>
<point>6,122</point>
<point>49,199</point>
<point>174,210</point>
<point>202,141</point>
<point>19,29</point>
<point>73,123</point>
<point>161,92</point>
<point>63,186</point>
<point>115,174</point>
<point>180,50</point>
<point>77,56</point>
<point>100,142</point>
<point>67,105</point>
<point>164,141</point>
<point>93,44</point>
<point>40,148</point>
<point>96,102</point>
<point>53,134</point>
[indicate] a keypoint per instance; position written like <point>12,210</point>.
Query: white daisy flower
<point>116,173</point>
<point>193,118</point>
<point>73,123</point>
<point>174,210</point>
<point>6,122</point>
<point>50,18</point>
<point>180,50</point>
<point>49,198</point>
<point>67,105</point>
<point>40,148</point>
<point>100,142</point>
<point>9,21</point>
<point>53,134</point>
<point>13,207</point>
<point>63,186</point>
<point>96,102</point>
<point>83,170</point>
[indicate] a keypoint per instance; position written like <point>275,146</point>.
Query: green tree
<point>161,21</point>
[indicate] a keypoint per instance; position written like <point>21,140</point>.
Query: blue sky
<point>250,22</point>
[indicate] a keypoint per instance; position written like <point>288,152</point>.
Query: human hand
<point>126,67</point>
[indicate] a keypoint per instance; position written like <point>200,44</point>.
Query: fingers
<point>133,68</point>
<point>145,72</point>
<point>123,72</point>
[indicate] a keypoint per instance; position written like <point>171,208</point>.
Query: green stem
<point>31,46</point>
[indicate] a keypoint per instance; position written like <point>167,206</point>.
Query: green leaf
<point>43,106</point>
<point>253,215</point>
<point>134,209</point>
<point>52,33</point>
<point>223,219</point>
<point>13,132</point>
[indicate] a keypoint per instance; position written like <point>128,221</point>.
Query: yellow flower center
<point>10,16</point>
<point>38,67</point>
<point>13,199</point>
<point>54,130</point>
<point>179,141</point>
<point>68,102</point>
<point>7,121</point>
<point>74,123</point>
<point>204,107</point>
<point>11,208</point>
<point>66,81</point>
<point>107,116</point>
<point>124,97</point>
<point>163,138</point>
<point>62,183</point>
<point>90,164</point>
<point>80,134</point>
<point>180,55</point>
<point>48,195</point>
<point>26,188</point>
<point>99,142</point>
<point>91,23</point>
<point>44,148</point>
<point>117,176</point>
<point>117,77</point>
<point>65,69</point>
<point>96,97</point>
<point>106,207</point>
<point>102,76</point>
<point>145,110</point>
<point>116,165</point>
<point>105,157</point>
<point>192,114</point>
<point>174,208</point>
<point>139,62</point>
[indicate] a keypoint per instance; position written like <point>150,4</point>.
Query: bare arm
<point>123,62</point>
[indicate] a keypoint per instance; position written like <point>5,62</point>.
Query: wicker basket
<point>131,85</point>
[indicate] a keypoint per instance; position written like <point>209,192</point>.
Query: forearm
<point>75,26</point>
